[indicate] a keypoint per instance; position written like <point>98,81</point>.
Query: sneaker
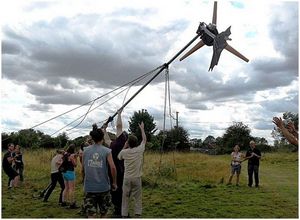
<point>63,204</point>
<point>41,195</point>
<point>73,206</point>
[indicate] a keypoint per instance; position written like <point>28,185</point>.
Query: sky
<point>59,55</point>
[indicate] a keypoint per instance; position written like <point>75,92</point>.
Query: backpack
<point>63,167</point>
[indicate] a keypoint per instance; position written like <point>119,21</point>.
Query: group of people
<point>13,165</point>
<point>66,160</point>
<point>253,156</point>
<point>111,171</point>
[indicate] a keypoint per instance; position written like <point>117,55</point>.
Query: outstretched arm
<point>291,128</point>
<point>107,139</point>
<point>119,123</point>
<point>289,136</point>
<point>144,137</point>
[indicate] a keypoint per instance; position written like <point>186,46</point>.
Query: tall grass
<point>186,185</point>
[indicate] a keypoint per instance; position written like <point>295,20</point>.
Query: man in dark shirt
<point>116,146</point>
<point>8,159</point>
<point>253,156</point>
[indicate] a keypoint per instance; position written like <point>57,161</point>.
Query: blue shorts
<point>69,175</point>
<point>236,169</point>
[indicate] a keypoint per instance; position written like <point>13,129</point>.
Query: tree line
<point>176,138</point>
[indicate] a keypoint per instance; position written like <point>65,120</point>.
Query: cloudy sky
<point>58,55</point>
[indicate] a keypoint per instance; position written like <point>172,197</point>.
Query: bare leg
<point>16,181</point>
<point>66,191</point>
<point>230,179</point>
<point>71,191</point>
<point>237,179</point>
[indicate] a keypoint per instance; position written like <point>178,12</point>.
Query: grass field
<point>175,185</point>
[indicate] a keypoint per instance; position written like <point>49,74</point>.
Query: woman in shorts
<point>69,177</point>
<point>236,160</point>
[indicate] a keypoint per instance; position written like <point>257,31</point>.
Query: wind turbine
<point>210,36</point>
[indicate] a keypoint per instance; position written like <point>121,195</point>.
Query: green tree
<point>137,118</point>
<point>176,139</point>
<point>209,142</point>
<point>61,140</point>
<point>238,133</point>
<point>196,143</point>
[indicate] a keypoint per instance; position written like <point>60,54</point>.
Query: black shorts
<point>11,173</point>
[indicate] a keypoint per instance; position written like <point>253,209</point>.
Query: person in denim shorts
<point>236,160</point>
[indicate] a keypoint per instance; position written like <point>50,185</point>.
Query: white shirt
<point>237,157</point>
<point>133,161</point>
<point>56,162</point>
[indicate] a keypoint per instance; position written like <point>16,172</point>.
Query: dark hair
<point>71,149</point>
<point>96,134</point>
<point>82,145</point>
<point>132,141</point>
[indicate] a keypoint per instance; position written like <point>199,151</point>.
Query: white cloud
<point>59,54</point>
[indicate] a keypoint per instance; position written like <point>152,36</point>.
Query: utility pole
<point>177,119</point>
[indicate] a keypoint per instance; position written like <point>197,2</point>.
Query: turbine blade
<point>214,18</point>
<point>235,52</point>
<point>196,47</point>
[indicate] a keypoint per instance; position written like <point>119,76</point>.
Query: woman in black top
<point>69,176</point>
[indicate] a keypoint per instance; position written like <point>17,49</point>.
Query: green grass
<point>179,185</point>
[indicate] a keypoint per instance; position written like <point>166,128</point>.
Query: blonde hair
<point>237,147</point>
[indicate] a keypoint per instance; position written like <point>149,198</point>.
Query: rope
<point>133,82</point>
<point>83,117</point>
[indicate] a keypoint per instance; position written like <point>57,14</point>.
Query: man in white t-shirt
<point>132,154</point>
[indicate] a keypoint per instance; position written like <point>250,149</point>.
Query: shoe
<point>73,206</point>
<point>45,200</point>
<point>137,216</point>
<point>237,184</point>
<point>41,195</point>
<point>63,204</point>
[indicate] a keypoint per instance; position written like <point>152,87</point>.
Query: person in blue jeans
<point>253,156</point>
